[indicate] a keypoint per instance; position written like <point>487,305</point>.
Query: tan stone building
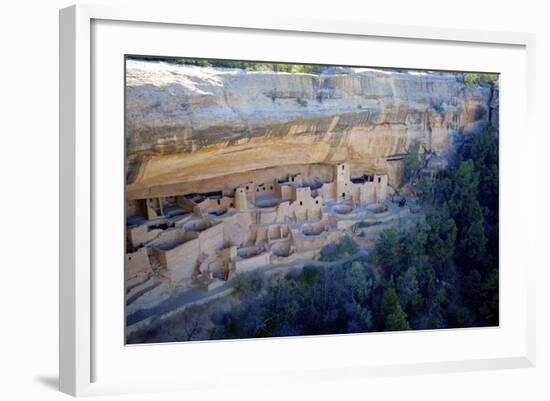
<point>200,237</point>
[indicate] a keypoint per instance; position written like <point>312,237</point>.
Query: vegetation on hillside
<point>480,78</point>
<point>244,65</point>
<point>470,78</point>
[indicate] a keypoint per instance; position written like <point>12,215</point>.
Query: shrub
<point>334,251</point>
<point>475,78</point>
<point>248,284</point>
<point>438,107</point>
<point>411,165</point>
<point>243,65</point>
<point>301,102</point>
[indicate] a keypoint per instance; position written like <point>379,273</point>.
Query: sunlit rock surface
<point>193,128</point>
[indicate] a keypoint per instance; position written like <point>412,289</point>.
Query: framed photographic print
<point>350,198</point>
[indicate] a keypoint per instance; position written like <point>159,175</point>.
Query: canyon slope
<point>197,129</point>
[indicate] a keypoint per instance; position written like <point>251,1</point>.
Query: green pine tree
<point>386,252</point>
<point>395,318</point>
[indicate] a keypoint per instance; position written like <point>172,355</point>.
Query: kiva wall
<point>137,263</point>
<point>252,263</point>
<point>181,261</point>
<point>141,234</point>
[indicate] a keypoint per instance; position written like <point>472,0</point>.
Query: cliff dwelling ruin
<point>204,239</point>
<point>234,169</point>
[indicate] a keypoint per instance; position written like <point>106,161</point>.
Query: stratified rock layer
<point>195,128</point>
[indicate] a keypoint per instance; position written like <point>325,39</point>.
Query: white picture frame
<point>78,369</point>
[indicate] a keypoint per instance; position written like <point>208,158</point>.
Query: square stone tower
<point>381,184</point>
<point>343,182</point>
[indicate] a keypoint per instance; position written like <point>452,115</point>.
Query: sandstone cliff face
<point>193,128</point>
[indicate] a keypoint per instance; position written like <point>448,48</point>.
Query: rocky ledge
<point>188,124</point>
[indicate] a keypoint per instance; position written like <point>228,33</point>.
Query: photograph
<point>287,201</point>
<point>273,199</point>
